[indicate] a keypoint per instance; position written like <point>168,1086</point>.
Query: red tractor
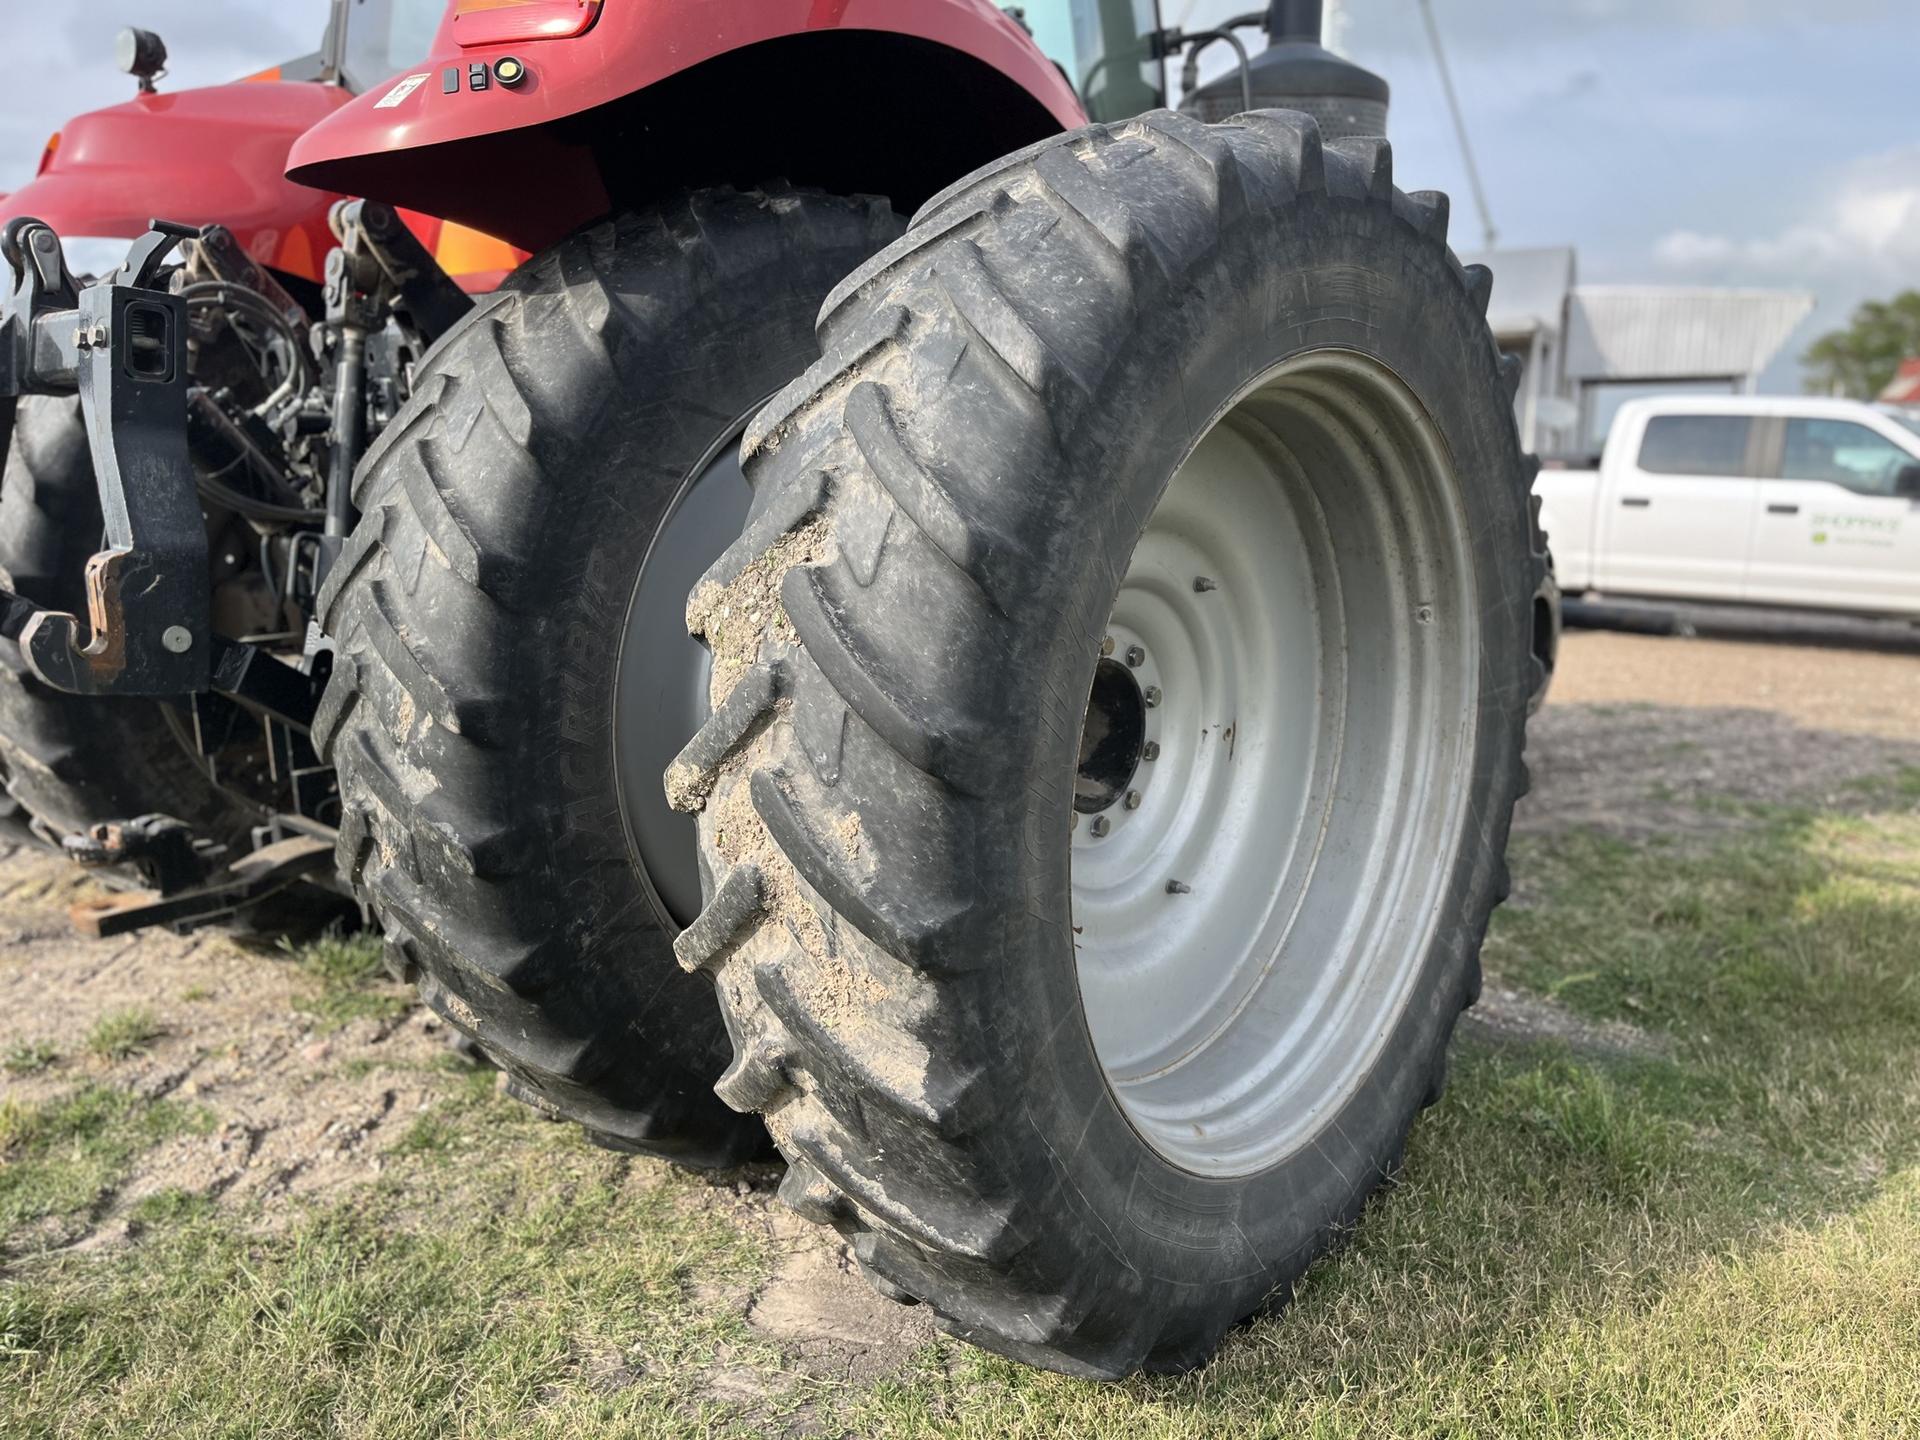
<point>1085,629</point>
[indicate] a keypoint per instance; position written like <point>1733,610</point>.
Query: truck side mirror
<point>1906,482</point>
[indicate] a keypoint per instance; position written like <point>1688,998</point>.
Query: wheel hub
<point>1267,797</point>
<point>1114,737</point>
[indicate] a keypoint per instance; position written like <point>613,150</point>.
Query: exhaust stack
<point>1297,72</point>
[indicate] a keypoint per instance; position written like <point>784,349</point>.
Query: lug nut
<point>1136,657</point>
<point>1106,646</point>
<point>1204,583</point>
<point>1179,887</point>
<point>1150,751</point>
<point>1133,799</point>
<point>1101,825</point>
<point>1151,695</point>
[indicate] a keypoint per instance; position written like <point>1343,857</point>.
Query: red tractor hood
<point>201,157</point>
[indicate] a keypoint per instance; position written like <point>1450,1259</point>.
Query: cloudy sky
<point>62,57</point>
<point>1761,142</point>
<point>1750,142</point>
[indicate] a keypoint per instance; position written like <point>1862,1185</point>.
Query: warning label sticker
<point>400,92</point>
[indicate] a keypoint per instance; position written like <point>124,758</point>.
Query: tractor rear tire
<point>1098,867</point>
<point>494,695</point>
<point>69,761</point>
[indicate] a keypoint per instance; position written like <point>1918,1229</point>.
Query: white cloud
<point>1689,249</point>
<point>1868,222</point>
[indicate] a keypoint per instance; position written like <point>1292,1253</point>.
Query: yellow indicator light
<point>509,71</point>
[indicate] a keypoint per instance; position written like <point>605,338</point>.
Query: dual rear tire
<point>1087,995</point>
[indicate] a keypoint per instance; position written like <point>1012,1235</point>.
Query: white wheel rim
<point>1253,908</point>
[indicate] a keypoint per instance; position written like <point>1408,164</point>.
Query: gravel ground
<point>1676,733</point>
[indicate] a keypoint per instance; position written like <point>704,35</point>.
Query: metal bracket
<point>38,289</point>
<point>147,598</point>
<point>249,880</point>
<point>162,848</point>
<point>387,257</point>
<point>122,345</point>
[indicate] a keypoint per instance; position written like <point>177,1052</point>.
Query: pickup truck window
<point>1842,453</point>
<point>1695,445</point>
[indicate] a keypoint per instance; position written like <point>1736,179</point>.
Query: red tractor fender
<point>893,97</point>
<point>208,156</point>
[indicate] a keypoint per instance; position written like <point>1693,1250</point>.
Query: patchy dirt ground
<point>1642,734</point>
<point>1675,734</point>
<point>301,1108</point>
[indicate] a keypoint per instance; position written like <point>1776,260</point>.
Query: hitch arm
<point>372,232</point>
<point>122,345</point>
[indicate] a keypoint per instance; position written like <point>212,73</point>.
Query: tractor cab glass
<point>1103,47</point>
<point>370,40</point>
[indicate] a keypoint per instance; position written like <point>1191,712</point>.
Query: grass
<point>29,1057</point>
<point>343,970</point>
<point>61,1160</point>
<point>1717,1233</point>
<point>553,1276</point>
<point>123,1033</point>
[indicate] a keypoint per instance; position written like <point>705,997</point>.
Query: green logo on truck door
<point>1874,530</point>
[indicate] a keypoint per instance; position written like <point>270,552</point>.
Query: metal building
<point>1586,348</point>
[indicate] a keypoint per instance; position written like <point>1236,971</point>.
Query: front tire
<point>513,670</point>
<point>998,1043</point>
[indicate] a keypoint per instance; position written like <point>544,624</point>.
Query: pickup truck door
<point>1677,509</point>
<point>1830,532</point>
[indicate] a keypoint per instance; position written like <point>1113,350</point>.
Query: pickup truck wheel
<point>1547,623</point>
<point>69,760</point>
<point>513,669</point>
<point>1118,715</point>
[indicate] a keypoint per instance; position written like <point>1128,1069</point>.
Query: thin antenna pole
<point>1459,124</point>
<point>1333,28</point>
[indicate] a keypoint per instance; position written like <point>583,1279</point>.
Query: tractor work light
<point>142,54</point>
<point>494,22</point>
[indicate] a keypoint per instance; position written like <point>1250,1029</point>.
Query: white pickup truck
<point>1763,500</point>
